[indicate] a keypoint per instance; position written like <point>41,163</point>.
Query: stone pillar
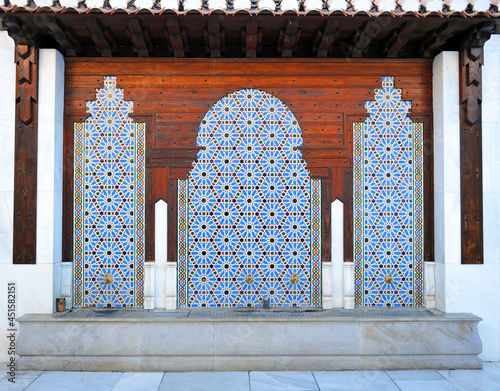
<point>38,285</point>
<point>337,253</point>
<point>161,253</point>
<point>50,170</point>
<point>462,287</point>
<point>7,132</point>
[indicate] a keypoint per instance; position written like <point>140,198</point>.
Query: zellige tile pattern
<point>109,197</point>
<point>249,218</point>
<point>388,203</point>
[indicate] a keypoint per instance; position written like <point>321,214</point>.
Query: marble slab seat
<point>218,340</point>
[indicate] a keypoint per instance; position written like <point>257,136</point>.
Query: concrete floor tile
<point>75,381</point>
<point>474,380</point>
<point>139,381</point>
<point>28,374</point>
<point>282,381</point>
<point>427,385</point>
<point>205,381</point>
<point>355,380</point>
<point>19,385</point>
<point>414,375</point>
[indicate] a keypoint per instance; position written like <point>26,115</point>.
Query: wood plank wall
<point>172,96</point>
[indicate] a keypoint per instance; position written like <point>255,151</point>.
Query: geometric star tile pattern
<point>249,212</point>
<point>109,151</point>
<point>388,203</point>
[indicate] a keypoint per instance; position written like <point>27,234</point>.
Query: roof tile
<point>301,7</point>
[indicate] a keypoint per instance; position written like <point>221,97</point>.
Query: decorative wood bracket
<point>177,38</point>
<point>25,161</point>
<point>70,44</point>
<point>103,38</point>
<point>140,38</point>
<point>289,37</point>
<point>251,38</point>
<point>362,38</point>
<point>437,38</point>
<point>325,38</point>
<point>471,175</point>
<point>20,32</point>
<point>399,38</point>
<point>215,38</point>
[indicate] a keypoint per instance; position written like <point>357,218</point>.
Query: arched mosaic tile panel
<point>249,212</point>
<point>109,151</point>
<point>388,202</point>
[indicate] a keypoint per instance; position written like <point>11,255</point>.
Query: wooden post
<point>471,175</point>
<point>25,162</point>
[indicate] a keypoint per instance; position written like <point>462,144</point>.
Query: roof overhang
<point>334,28</point>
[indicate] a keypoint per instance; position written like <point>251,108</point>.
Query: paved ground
<point>487,379</point>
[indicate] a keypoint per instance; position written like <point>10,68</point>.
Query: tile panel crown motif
<point>388,202</point>
<point>249,213</point>
<point>109,194</point>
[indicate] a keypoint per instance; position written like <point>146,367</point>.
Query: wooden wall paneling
<point>326,217</point>
<point>326,96</point>
<point>25,161</point>
<point>172,220</point>
<point>348,214</point>
<point>149,236</point>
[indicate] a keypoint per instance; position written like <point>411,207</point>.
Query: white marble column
<point>7,123</point>
<point>50,169</point>
<point>337,220</point>
<point>161,253</point>
<point>37,285</point>
<point>467,288</point>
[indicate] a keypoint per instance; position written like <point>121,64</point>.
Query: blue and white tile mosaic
<point>109,151</point>
<point>388,203</point>
<point>249,212</point>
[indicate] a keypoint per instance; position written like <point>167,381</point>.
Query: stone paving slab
<point>487,379</point>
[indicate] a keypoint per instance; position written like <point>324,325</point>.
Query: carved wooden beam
<point>399,38</point>
<point>140,38</point>
<point>19,31</point>
<point>65,37</point>
<point>25,161</point>
<point>325,38</point>
<point>289,37</point>
<point>437,38</point>
<point>176,37</point>
<point>215,38</point>
<point>251,38</point>
<point>471,170</point>
<point>103,38</point>
<point>362,38</point>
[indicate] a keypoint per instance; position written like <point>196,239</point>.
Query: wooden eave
<point>266,35</point>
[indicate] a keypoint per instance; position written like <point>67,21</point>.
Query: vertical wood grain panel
<point>25,161</point>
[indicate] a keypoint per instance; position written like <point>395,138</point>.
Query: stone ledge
<point>438,341</point>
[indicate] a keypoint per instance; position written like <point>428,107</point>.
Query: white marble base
<point>349,285</point>
<point>327,285</point>
<point>171,282</point>
<point>52,342</point>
